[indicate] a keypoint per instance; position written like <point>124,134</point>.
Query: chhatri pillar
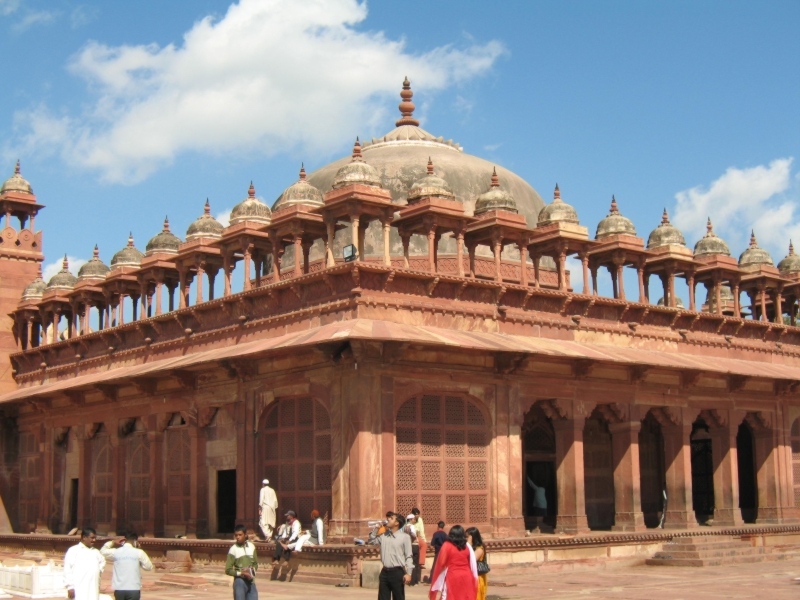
<point>628,515</point>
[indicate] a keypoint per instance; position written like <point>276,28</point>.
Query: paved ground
<point>771,580</point>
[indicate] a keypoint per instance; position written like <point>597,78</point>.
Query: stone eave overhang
<point>434,206</point>
<point>202,245</point>
<point>29,200</point>
<point>369,195</point>
<point>560,230</point>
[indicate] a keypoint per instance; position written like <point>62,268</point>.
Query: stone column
<point>155,437</point>
<point>537,280</point>
<point>84,477</point>
<point>737,308</point>
<point>182,288</point>
<point>297,241</point>
<point>763,296</point>
<point>778,301</point>
<point>506,516</point>
<point>276,260</point>
<point>226,269</point>
<point>766,456</point>
<point>718,296</point>
<point>497,243</point>
<point>45,482</point>
<point>432,249</point>
<point>723,427</point>
<point>118,496</point>
<point>640,277</point>
<point>460,253</point>
<point>406,239</point>
<point>329,239</point>
<point>246,258</point>
<point>200,274</point>
<point>523,264</point>
<point>676,428</point>
<point>471,251</point>
<point>211,273</point>
<point>628,514</point>
<point>198,505</point>
<point>362,231</point>
<point>585,263</point>
<point>690,281</point>
<point>387,227</point>
<point>562,271</point>
<point>594,279</point>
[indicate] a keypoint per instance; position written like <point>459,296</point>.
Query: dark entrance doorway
<point>73,504</point>
<point>539,471</point>
<point>226,501</point>
<point>702,472</point>
<point>651,468</point>
<point>748,486</point>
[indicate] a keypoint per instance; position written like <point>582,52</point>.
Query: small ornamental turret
<point>754,256</point>
<point>495,198</point>
<point>300,192</point>
<point>614,223</point>
<point>251,209</point>
<point>357,171</point>
<point>430,186</point>
<point>35,288</point>
<point>63,280</point>
<point>129,256</point>
<point>16,183</point>
<point>95,268</point>
<point>790,264</point>
<point>205,226</point>
<point>407,106</point>
<point>665,235</point>
<point>165,242</point>
<point>557,211</point>
<point>710,243</point>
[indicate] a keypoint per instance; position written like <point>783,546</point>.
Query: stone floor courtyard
<point>775,580</point>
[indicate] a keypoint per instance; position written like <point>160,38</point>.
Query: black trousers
<point>280,552</point>
<point>127,595</point>
<point>391,584</point>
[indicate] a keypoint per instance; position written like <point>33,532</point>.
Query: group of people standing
<point>460,569</point>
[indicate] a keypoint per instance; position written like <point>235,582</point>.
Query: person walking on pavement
<point>439,538</point>
<point>242,564</point>
<point>398,562</point>
<point>419,524</point>
<point>267,505</point>
<point>128,558</point>
<point>83,564</point>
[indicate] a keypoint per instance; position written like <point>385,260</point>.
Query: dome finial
<point>207,208</point>
<point>614,209</point>
<point>130,240</point>
<point>495,178</point>
<point>252,191</point>
<point>430,166</point>
<point>96,253</point>
<point>753,241</point>
<point>16,169</point>
<point>709,227</point>
<point>407,106</point>
<point>166,224</point>
<point>65,264</point>
<point>302,172</point>
<point>357,151</point>
<point>556,194</point>
<point>39,273</point>
<point>791,247</point>
<point>665,218</point>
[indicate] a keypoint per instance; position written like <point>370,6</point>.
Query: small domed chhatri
<point>754,256</point>
<point>665,235</point>
<point>251,209</point>
<point>63,280</point>
<point>726,297</point>
<point>205,226</point>
<point>166,241</point>
<point>95,268</point>
<point>557,211</point>
<point>16,183</point>
<point>430,186</point>
<point>790,263</point>
<point>678,303</point>
<point>35,288</point>
<point>711,243</point>
<point>129,256</point>
<point>614,223</point>
<point>300,192</point>
<point>495,198</point>
<point>357,171</point>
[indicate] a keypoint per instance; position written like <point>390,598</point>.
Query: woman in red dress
<point>456,574</point>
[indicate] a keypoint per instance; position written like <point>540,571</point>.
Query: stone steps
<point>699,552</point>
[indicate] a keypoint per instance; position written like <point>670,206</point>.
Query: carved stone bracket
<point>759,420</point>
<point>162,421</point>
<point>76,397</point>
<point>689,378</point>
<point>241,369</point>
<point>506,363</point>
<point>785,387</point>
<point>205,414</point>
<point>614,413</point>
<point>187,379</point>
<point>91,429</point>
<point>60,435</point>
<point>145,385</point>
<point>666,415</point>
<point>637,373</point>
<point>715,418</point>
<point>125,426</point>
<point>582,368</point>
<point>736,383</point>
<point>110,392</point>
<point>556,410</point>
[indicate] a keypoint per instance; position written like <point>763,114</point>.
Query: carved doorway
<point>748,486</point>
<point>539,470</point>
<point>651,469</point>
<point>598,464</point>
<point>702,472</point>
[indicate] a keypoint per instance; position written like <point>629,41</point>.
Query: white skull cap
<point>265,481</point>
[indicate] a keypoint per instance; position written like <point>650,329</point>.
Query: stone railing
<point>32,581</point>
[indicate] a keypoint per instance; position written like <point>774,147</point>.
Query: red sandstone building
<point>446,366</point>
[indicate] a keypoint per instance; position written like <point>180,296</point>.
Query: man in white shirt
<point>267,505</point>
<point>82,567</point>
<point>128,558</point>
<point>314,536</point>
<point>282,549</point>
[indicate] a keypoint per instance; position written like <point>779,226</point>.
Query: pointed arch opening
<point>540,492</point>
<point>702,471</point>
<point>748,486</point>
<point>652,470</point>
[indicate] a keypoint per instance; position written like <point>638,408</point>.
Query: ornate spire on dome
<point>754,256</point>
<point>36,288</point>
<point>205,226</point>
<point>430,186</point>
<point>251,209</point>
<point>63,279</point>
<point>129,256</point>
<point>614,223</point>
<point>302,192</point>
<point>95,268</point>
<point>790,263</point>
<point>16,183</point>
<point>495,198</point>
<point>165,242</point>
<point>557,211</point>
<point>357,171</point>
<point>665,234</point>
<point>407,106</point>
<point>711,243</point>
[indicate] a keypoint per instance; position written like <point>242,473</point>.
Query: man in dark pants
<point>128,559</point>
<point>398,562</point>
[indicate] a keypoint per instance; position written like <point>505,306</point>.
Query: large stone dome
<point>400,158</point>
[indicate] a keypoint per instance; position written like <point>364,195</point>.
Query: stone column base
<point>728,517</point>
<point>679,519</point>
<point>768,515</point>
<point>503,527</point>
<point>572,524</point>
<point>629,522</point>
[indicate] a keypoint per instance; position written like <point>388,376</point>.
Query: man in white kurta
<point>83,564</point>
<point>267,507</point>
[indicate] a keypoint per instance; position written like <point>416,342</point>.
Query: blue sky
<point>122,112</point>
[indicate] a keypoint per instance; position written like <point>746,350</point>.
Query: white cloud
<point>492,147</point>
<point>763,198</point>
<point>35,17</point>
<point>82,15</point>
<point>270,76</point>
<point>225,217</point>
<point>55,266</point>
<point>8,7</point>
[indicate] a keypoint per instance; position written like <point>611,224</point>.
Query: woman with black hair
<point>456,572</point>
<point>475,540</point>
